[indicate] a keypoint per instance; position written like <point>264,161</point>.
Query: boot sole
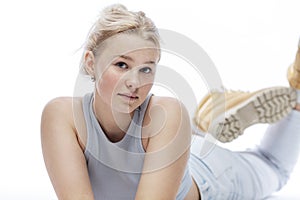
<point>266,106</point>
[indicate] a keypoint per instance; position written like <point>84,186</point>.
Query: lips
<point>131,96</point>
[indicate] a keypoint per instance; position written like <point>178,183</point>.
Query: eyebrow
<point>131,59</point>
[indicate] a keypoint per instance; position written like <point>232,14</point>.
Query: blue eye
<point>146,70</point>
<point>121,65</point>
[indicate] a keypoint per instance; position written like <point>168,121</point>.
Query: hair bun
<point>115,8</point>
<point>141,13</point>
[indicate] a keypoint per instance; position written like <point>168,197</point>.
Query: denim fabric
<point>253,174</point>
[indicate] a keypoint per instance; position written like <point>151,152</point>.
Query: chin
<point>126,109</point>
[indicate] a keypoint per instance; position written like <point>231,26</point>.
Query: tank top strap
<point>142,110</point>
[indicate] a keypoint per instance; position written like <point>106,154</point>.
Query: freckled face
<point>125,71</point>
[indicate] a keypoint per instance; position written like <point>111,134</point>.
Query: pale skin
<point>124,68</point>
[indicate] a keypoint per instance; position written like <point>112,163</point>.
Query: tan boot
<point>294,71</point>
<point>227,115</point>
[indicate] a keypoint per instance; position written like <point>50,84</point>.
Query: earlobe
<point>89,63</point>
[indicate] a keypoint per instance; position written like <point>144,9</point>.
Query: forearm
<point>297,107</point>
<point>77,197</point>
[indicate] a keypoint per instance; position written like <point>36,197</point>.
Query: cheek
<point>147,82</point>
<point>108,83</point>
<point>147,87</point>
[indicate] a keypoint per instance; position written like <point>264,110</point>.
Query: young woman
<point>120,142</point>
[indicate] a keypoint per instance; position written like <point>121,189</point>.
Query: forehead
<point>123,44</point>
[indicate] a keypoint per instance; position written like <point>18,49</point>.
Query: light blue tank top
<point>115,168</point>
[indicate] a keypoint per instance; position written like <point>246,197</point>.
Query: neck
<point>114,124</point>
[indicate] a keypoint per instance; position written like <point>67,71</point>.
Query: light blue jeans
<point>253,174</point>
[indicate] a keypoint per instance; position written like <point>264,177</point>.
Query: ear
<point>89,63</point>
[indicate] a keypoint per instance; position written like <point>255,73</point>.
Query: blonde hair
<point>117,19</point>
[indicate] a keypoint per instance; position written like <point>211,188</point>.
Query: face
<point>124,71</point>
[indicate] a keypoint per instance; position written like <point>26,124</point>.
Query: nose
<point>132,80</point>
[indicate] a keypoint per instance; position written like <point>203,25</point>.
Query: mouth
<point>129,96</point>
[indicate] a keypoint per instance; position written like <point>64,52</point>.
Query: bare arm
<point>167,151</point>
<point>63,156</point>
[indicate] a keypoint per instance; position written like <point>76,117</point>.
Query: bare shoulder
<point>169,107</point>
<point>165,113</point>
<point>61,108</point>
<point>58,104</point>
<point>59,111</point>
<point>62,150</point>
<point>169,136</point>
<point>59,115</point>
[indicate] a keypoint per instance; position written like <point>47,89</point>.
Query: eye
<point>146,70</point>
<point>121,65</point>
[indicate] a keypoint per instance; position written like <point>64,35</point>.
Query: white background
<point>251,43</point>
